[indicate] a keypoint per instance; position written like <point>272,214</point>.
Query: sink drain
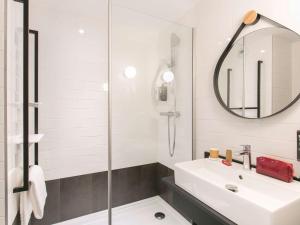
<point>232,188</point>
<point>159,215</point>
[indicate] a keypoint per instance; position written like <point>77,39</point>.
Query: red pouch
<point>275,168</point>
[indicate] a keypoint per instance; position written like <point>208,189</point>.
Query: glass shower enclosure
<point>106,110</point>
<point>151,110</point>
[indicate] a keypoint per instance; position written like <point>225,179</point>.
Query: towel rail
<point>35,34</point>
<point>25,186</point>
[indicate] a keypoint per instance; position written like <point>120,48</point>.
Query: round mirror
<point>260,75</point>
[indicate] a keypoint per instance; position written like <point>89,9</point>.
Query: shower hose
<point>172,146</point>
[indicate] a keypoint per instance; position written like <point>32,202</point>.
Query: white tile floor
<point>137,213</point>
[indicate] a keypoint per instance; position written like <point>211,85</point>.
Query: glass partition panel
<point>68,61</point>
<point>15,101</point>
<point>152,99</point>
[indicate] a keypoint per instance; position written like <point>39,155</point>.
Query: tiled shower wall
<point>184,97</point>
<point>74,117</point>
<point>2,169</point>
<point>74,64</point>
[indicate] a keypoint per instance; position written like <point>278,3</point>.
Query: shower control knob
<point>171,114</point>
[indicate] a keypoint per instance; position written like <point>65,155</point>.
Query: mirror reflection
<point>261,74</point>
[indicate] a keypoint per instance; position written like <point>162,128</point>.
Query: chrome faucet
<point>246,153</point>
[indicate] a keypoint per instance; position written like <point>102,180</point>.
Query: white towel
<point>37,191</point>
<point>25,208</point>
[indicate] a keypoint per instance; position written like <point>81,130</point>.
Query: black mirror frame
<point>253,21</point>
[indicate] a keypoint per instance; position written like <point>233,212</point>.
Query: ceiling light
<point>130,72</point>
<point>81,31</point>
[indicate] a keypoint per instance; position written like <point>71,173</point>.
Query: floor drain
<point>159,215</point>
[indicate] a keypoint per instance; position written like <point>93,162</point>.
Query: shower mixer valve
<point>171,114</point>
<point>174,115</point>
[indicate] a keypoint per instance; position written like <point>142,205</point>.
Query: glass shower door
<point>17,101</point>
<point>151,113</point>
<point>67,62</point>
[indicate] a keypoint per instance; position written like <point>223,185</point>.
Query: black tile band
<point>73,197</point>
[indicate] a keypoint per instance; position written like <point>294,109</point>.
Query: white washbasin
<point>260,200</point>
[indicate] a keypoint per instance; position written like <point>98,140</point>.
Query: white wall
<point>2,176</point>
<point>296,68</point>
<point>254,43</point>
<point>282,85</point>
<point>235,62</point>
<point>216,21</point>
<point>134,122</point>
<point>72,72</point>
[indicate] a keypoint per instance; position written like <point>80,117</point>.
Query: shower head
<point>175,40</point>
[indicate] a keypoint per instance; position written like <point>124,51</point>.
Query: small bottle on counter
<point>228,160</point>
<point>229,155</point>
<point>214,153</point>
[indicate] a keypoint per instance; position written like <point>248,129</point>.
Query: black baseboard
<point>73,197</point>
<point>195,211</point>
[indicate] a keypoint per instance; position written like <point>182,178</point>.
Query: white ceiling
<point>171,10</point>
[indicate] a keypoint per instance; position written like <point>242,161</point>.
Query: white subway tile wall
<point>2,169</point>
<point>184,98</point>
<point>214,126</point>
<point>73,62</point>
<point>72,73</point>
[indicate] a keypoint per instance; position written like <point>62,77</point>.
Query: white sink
<point>260,200</point>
